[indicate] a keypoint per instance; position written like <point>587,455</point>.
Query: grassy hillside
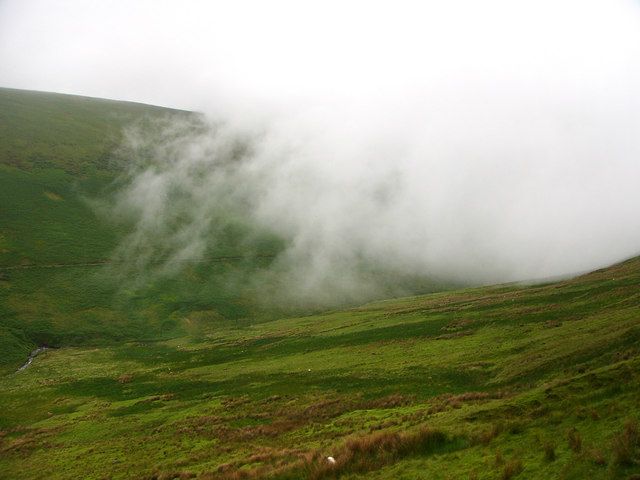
<point>187,377</point>
<point>57,154</point>
<point>56,151</point>
<point>66,132</point>
<point>500,382</point>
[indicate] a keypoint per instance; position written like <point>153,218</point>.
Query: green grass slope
<point>55,151</point>
<point>66,132</point>
<point>501,382</point>
<point>57,154</point>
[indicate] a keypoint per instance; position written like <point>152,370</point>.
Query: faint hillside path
<point>53,265</point>
<point>99,263</point>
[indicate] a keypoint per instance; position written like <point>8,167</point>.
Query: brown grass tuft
<point>626,444</point>
<point>457,325</point>
<point>446,402</point>
<point>370,452</point>
<point>356,455</point>
<point>574,439</point>
<point>173,476</point>
<point>511,469</point>
<point>549,451</point>
<point>486,436</point>
<point>597,457</point>
<point>390,401</point>
<point>125,378</point>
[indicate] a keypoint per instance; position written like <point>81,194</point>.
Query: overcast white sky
<point>188,53</point>
<point>504,135</point>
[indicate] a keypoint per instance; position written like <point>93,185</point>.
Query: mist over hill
<point>457,141</point>
<point>300,272</point>
<point>515,194</point>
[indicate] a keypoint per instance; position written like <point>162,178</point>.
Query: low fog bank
<point>477,190</point>
<point>380,142</point>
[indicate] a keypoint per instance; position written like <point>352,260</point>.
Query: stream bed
<point>32,355</point>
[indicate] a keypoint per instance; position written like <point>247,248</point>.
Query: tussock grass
<point>363,453</point>
<point>626,445</point>
<point>574,439</point>
<point>511,469</point>
<point>358,454</point>
<point>549,449</point>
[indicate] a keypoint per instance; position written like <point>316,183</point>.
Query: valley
<point>189,376</point>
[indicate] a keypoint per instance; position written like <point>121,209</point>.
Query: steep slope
<point>498,382</point>
<point>55,150</point>
<point>65,132</point>
<point>58,154</point>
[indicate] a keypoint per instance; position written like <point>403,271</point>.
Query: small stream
<point>32,355</point>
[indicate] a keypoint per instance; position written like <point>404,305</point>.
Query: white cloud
<point>478,141</point>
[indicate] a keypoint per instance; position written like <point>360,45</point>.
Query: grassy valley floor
<point>499,382</point>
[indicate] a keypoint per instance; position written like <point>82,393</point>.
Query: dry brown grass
<point>172,476</point>
<point>511,469</point>
<point>597,457</point>
<point>574,440</point>
<point>457,325</point>
<point>125,378</point>
<point>371,452</point>
<point>233,402</point>
<point>485,436</point>
<point>385,425</point>
<point>549,451</point>
<point>274,418</point>
<point>326,408</point>
<point>584,413</point>
<point>356,455</point>
<point>28,440</point>
<point>271,463</point>
<point>270,430</point>
<point>552,324</point>
<point>390,401</point>
<point>446,402</point>
<point>625,445</point>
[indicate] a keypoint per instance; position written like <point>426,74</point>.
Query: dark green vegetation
<point>58,155</point>
<point>185,379</point>
<point>55,152</point>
